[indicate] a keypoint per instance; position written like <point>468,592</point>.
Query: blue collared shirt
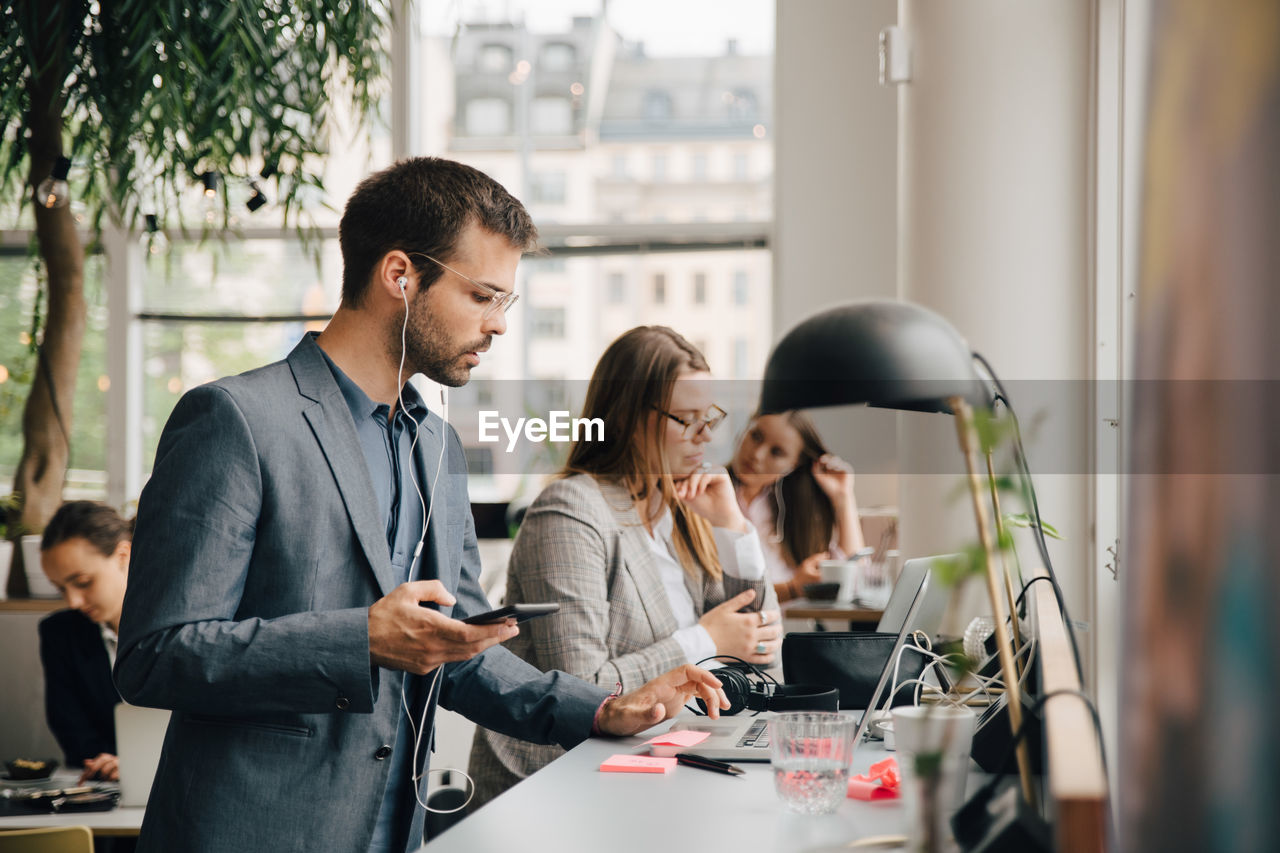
<point>402,502</point>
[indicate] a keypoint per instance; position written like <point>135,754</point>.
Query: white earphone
<point>403,282</point>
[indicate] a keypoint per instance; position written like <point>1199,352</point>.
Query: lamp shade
<point>894,355</point>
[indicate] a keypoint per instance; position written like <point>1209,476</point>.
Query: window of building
<point>548,187</point>
<point>551,116</point>
<point>741,358</point>
<point>659,163</point>
<point>659,288</point>
<point>616,289</point>
<point>548,322</point>
<point>619,162</point>
<point>488,117</point>
<point>657,105</point>
<point>494,58</point>
<point>479,460</point>
<point>741,170</point>
<point>741,288</point>
<point>700,288</point>
<point>700,166</point>
<point>557,56</point>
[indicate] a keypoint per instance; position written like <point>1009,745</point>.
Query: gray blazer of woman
<point>582,544</point>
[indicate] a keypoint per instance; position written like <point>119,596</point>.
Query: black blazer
<point>79,696</point>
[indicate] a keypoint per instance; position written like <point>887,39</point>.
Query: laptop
<point>915,598</point>
<point>139,737</point>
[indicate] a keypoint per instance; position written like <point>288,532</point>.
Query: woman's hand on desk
<point>104,766</point>
<point>661,699</point>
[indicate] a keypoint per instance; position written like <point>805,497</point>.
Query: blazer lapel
<point>636,556</point>
<point>330,422</point>
<point>435,553</point>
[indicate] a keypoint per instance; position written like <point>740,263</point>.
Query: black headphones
<point>750,688</point>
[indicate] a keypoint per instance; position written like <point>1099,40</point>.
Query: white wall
<point>835,190</point>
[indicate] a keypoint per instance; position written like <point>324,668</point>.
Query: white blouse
<point>740,556</point>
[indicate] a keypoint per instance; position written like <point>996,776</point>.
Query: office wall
<point>835,233</point>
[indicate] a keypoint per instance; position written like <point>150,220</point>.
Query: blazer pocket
<point>253,725</point>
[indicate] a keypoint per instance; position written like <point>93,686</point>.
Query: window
<point>547,187</point>
<point>740,166</point>
<point>700,288</point>
<point>551,116</point>
<point>558,56</point>
<point>742,105</point>
<point>548,323</point>
<point>700,166</point>
<point>741,358</point>
<point>659,168</point>
<point>619,166</point>
<point>741,288</point>
<point>659,289</point>
<point>494,58</point>
<point>657,105</point>
<point>488,117</point>
<point>616,289</point>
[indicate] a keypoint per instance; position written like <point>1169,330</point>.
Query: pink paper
<point>679,738</point>
<point>623,763</point>
<point>881,782</point>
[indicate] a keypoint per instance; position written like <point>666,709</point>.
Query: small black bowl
<point>22,769</point>
<point>821,591</point>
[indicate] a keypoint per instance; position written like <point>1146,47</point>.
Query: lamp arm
<point>1008,670</point>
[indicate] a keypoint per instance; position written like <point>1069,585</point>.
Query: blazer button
<point>342,703</point>
<point>383,752</point>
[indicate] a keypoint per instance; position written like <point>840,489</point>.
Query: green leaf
<point>1024,520</point>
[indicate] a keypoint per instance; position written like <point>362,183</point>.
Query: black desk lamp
<point>895,355</point>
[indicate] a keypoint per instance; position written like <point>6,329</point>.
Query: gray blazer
<point>582,544</point>
<point>257,554</point>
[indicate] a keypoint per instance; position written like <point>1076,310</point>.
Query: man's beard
<point>431,351</point>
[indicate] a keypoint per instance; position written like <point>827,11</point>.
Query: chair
<point>49,839</point>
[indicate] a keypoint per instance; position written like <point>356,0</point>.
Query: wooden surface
<point>1077,783</point>
<point>31,605</point>
<point>803,608</point>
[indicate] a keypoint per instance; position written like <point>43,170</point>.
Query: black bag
<point>849,661</point>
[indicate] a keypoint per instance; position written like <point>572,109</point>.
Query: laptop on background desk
<point>139,738</point>
<point>917,604</point>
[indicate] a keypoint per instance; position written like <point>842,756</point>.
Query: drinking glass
<point>811,753</point>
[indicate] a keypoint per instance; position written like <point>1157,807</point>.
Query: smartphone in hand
<point>518,612</point>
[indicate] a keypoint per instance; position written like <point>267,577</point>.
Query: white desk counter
<point>570,806</point>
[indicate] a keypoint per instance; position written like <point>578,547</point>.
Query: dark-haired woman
<point>798,495</point>
<point>85,554</point>
<point>640,541</point>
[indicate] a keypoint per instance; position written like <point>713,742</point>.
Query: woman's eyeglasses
<point>494,300</point>
<point>693,427</point>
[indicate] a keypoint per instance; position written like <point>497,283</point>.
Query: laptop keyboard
<point>757,736</point>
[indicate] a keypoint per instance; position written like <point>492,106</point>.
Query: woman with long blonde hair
<point>640,542</point>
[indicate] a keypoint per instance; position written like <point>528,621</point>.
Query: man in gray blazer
<point>305,550</point>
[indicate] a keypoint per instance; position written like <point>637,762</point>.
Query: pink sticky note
<point>674,742</point>
<point>680,738</point>
<point>622,763</point>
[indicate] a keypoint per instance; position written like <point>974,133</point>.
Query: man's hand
<point>661,699</point>
<point>104,766</point>
<point>406,636</point>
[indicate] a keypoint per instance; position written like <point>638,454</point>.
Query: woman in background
<point>85,554</point>
<point>639,541</point>
<point>798,495</point>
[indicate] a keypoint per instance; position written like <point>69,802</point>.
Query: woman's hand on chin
<point>709,492</point>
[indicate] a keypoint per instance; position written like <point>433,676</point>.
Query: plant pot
<point>38,586</point>
<point>6,560</point>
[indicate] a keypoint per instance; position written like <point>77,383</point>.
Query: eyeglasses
<point>708,421</point>
<point>493,299</point>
